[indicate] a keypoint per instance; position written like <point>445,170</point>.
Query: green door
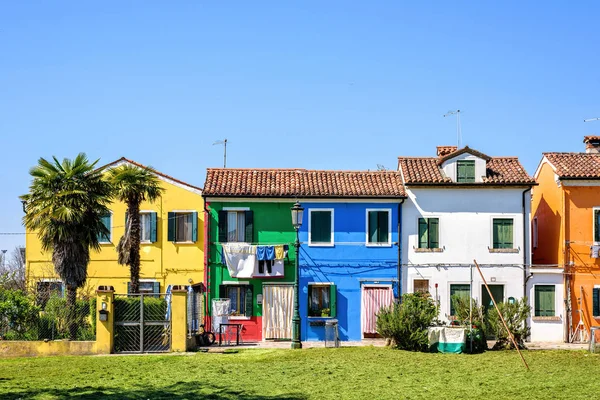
<point>497,292</point>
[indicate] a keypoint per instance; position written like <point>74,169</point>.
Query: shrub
<point>18,313</point>
<point>475,315</point>
<point>515,314</point>
<point>54,321</point>
<point>406,323</point>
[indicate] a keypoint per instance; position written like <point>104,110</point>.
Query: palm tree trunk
<point>71,311</point>
<point>134,257</point>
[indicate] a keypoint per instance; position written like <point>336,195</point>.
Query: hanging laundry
<point>279,253</point>
<point>265,263</point>
<point>285,250</point>
<point>240,259</point>
<point>270,252</point>
<point>261,253</point>
<point>595,251</point>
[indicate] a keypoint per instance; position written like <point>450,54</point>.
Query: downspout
<point>206,264</point>
<point>566,270</point>
<point>399,268</point>
<point>525,248</point>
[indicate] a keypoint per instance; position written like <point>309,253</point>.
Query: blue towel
<point>222,255</point>
<point>261,253</point>
<point>270,252</point>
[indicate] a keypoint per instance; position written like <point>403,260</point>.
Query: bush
<point>475,315</point>
<point>54,320</point>
<point>18,313</point>
<point>406,323</point>
<point>515,314</point>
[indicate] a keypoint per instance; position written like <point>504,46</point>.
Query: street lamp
<point>297,214</point>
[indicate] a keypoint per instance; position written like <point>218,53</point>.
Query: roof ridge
<point>305,170</point>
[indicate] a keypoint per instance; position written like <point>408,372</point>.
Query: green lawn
<point>345,373</point>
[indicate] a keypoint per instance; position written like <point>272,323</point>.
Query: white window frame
<point>183,212</point>
<point>310,242</point>
<point>500,216</point>
<point>389,242</point>
<point>145,212</point>
<point>594,209</point>
<point>110,229</point>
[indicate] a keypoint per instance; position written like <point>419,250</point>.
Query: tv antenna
<point>458,132</point>
<point>224,143</point>
<point>591,119</point>
<point>381,167</point>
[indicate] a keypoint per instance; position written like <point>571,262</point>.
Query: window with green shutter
<point>544,300</point>
<point>378,227</point>
<point>321,225</point>
<point>596,302</point>
<point>241,297</point>
<point>465,171</point>
<point>106,220</point>
<point>429,233</point>
<point>596,225</point>
<point>182,227</point>
<point>322,300</point>
<point>458,290</point>
<point>503,233</point>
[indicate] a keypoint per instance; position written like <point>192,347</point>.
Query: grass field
<point>345,373</point>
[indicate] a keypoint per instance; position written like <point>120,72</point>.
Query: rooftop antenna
<point>458,132</point>
<point>591,119</point>
<point>224,143</point>
<point>380,167</point>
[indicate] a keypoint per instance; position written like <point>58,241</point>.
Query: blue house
<point>349,258</point>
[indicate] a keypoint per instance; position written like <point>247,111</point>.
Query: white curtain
<point>278,307</point>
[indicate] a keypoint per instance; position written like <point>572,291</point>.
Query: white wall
<point>543,329</point>
<point>465,234</point>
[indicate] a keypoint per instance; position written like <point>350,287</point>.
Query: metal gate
<point>142,323</point>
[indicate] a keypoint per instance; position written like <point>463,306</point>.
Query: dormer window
<point>465,171</point>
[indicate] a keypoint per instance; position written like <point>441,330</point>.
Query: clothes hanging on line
<point>240,259</point>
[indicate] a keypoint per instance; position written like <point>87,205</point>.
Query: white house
<point>463,206</point>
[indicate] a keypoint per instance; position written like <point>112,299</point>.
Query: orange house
<point>566,231</point>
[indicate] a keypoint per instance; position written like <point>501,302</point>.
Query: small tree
<point>515,314</point>
<point>406,323</point>
<point>476,315</point>
<point>18,313</point>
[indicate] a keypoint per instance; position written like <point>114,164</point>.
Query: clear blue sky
<point>316,84</point>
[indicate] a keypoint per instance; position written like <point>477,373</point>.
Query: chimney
<point>592,144</point>
<point>443,151</point>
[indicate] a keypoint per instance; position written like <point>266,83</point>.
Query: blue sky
<point>313,84</point>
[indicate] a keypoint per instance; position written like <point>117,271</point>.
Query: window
<point>320,225</point>
<point>596,225</point>
<point>183,226</point>
<point>503,233</point>
<point>148,227</point>
<point>147,288</point>
<point>535,232</point>
<point>459,290</point>
<point>596,302</point>
<point>241,299</point>
<point>465,171</point>
<point>421,286</point>
<point>378,227</point>
<point>106,220</point>
<point>544,300</point>
<point>236,226</point>
<point>429,233</point>
<point>44,290</point>
<point>322,300</point>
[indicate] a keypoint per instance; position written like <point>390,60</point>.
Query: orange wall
<point>547,208</point>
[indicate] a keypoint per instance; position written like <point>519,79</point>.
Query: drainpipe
<point>525,248</point>
<point>400,250</point>
<point>206,264</point>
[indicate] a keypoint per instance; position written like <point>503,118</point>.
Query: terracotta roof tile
<point>575,165</point>
<point>302,183</point>
<point>427,170</point>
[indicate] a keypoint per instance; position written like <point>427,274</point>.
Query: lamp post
<point>297,214</point>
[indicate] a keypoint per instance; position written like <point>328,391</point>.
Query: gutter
<point>206,265</point>
<point>525,248</point>
<point>399,267</point>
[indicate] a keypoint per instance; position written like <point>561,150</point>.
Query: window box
<point>504,250</point>
<point>426,250</point>
<point>546,319</point>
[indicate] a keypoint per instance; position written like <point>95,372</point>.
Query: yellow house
<point>172,249</point>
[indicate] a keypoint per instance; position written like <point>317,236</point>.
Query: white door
<point>278,307</point>
<point>373,298</point>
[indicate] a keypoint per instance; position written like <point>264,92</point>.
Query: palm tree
<point>65,205</point>
<point>132,185</point>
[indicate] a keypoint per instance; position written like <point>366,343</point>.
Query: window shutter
<point>508,234</point>
<point>470,171</point>
<point>434,241</point>
<point>171,224</point>
<point>249,301</point>
<point>222,215</point>
<point>596,302</point>
<point>422,233</point>
<point>249,233</point>
<point>222,292</point>
<point>383,225</point>
<point>332,301</point>
<point>194,226</point>
<point>373,227</point>
<point>460,175</point>
<point>496,234</point>
<point>153,227</point>
<point>596,226</point>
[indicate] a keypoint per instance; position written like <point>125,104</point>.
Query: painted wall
<point>349,264</point>
<point>272,225</point>
<point>547,329</point>
<point>165,262</point>
<point>465,234</point>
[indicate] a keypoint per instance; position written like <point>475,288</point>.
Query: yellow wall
<point>166,262</point>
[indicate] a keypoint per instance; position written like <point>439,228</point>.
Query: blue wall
<point>345,264</point>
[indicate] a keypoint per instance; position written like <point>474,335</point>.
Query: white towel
<point>240,259</point>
